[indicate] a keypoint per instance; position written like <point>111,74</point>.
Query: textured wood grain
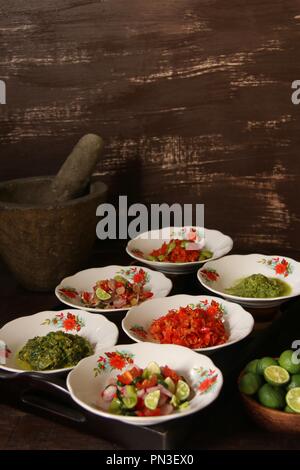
<point>191,96</point>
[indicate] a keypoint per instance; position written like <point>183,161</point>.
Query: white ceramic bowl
<point>200,372</point>
<point>238,322</point>
<point>99,331</point>
<point>145,243</point>
<point>221,274</point>
<point>159,284</point>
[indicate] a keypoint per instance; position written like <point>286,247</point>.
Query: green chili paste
<point>259,286</point>
<point>56,350</point>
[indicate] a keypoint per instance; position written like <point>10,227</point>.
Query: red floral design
<point>139,331</point>
<point>139,277</point>
<point>209,275</point>
<point>208,378</point>
<point>281,266</point>
<point>138,253</point>
<point>116,361</point>
<point>101,362</point>
<point>68,323</point>
<point>113,360</point>
<point>207,383</point>
<point>70,293</point>
<point>192,235</point>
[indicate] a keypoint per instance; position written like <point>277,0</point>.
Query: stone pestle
<point>75,173</point>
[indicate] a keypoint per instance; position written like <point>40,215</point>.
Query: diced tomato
<point>125,378</point>
<point>69,293</point>
<point>147,294</point>
<point>168,372</point>
<point>135,372</point>
<point>140,404</point>
<point>147,383</point>
<point>146,412</point>
<point>119,284</point>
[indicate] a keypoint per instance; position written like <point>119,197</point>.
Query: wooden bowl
<point>270,419</point>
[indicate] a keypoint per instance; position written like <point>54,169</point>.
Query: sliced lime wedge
<point>102,294</point>
<point>170,384</point>
<point>115,406</point>
<point>130,397</point>
<point>129,402</point>
<point>184,405</point>
<point>276,375</point>
<point>151,399</point>
<point>293,399</point>
<point>182,390</point>
<point>153,368</point>
<point>174,401</point>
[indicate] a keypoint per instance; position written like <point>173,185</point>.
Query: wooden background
<point>193,98</point>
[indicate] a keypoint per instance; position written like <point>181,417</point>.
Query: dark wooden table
<point>20,430</point>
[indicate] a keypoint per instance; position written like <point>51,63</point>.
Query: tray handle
<point>41,392</point>
<point>43,379</point>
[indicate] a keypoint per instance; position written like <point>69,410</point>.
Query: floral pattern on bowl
<point>280,265</point>
<point>66,321</point>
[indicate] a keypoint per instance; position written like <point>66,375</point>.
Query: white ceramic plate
<point>200,372</point>
<point>144,244</point>
<point>238,322</point>
<point>159,284</point>
<point>100,332</point>
<point>219,275</point>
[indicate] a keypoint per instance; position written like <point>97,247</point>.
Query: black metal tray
<point>47,395</point>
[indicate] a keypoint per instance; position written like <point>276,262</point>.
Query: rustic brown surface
<point>192,97</point>
<point>193,100</point>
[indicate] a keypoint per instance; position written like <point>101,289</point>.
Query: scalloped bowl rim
<point>247,299</point>
<point>106,310</point>
<point>194,297</point>
<point>165,264</point>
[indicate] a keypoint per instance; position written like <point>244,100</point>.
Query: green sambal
<point>259,286</point>
<point>56,350</point>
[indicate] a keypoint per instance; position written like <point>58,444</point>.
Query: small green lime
<point>271,397</point>
<point>182,390</point>
<point>153,369</point>
<point>293,399</point>
<point>287,409</point>
<point>249,383</point>
<point>265,362</point>
<point>184,405</point>
<point>252,366</point>
<point>295,381</point>
<point>115,406</point>
<point>102,294</point>
<point>170,384</point>
<point>174,401</point>
<point>288,362</point>
<point>151,400</point>
<point>276,375</point>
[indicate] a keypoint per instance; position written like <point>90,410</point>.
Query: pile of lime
<point>275,383</point>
